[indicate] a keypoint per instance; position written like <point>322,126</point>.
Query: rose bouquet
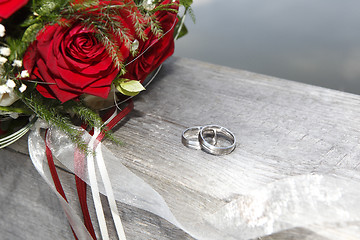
<point>61,63</point>
<point>59,57</point>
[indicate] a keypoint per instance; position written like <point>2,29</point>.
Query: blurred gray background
<point>315,42</point>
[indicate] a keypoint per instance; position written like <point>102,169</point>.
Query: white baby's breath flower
<point>149,5</point>
<point>5,51</point>
<point>4,89</point>
<point>24,74</point>
<point>22,88</point>
<point>7,95</point>
<point>17,63</point>
<point>2,30</point>
<point>2,60</point>
<point>11,84</point>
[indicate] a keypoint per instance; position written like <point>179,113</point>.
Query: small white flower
<point>149,5</point>
<point>24,74</point>
<point>17,63</point>
<point>2,60</point>
<point>22,88</point>
<point>4,89</point>
<point>2,30</point>
<point>5,51</point>
<point>7,95</point>
<point>10,83</point>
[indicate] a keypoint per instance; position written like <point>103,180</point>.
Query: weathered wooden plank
<point>283,128</point>
<point>27,209</point>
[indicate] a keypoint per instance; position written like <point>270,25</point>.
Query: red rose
<point>8,7</point>
<point>73,61</point>
<point>154,51</point>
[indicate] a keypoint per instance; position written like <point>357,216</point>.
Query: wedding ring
<point>190,137</point>
<point>221,133</point>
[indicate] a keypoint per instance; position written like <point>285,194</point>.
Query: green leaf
<point>186,3</point>
<point>190,11</point>
<point>30,21</point>
<point>30,32</point>
<point>46,7</point>
<point>183,30</point>
<point>129,87</point>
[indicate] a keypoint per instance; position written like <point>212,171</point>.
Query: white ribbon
<point>109,193</point>
<point>93,144</point>
<point>94,187</point>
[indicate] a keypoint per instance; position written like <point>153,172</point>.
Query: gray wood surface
<point>283,129</point>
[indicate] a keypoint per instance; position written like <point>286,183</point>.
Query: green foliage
<point>165,7</point>
<point>139,25</point>
<point>112,48</point>
<point>128,87</point>
<point>57,114</point>
<point>17,48</point>
<point>180,27</point>
<point>186,3</point>
<point>86,4</point>
<point>13,109</point>
<point>87,115</point>
<point>31,31</point>
<point>44,12</point>
<point>155,27</point>
<point>48,7</point>
<point>47,110</point>
<point>190,11</point>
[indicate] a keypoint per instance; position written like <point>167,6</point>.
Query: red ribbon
<point>55,176</point>
<point>79,163</point>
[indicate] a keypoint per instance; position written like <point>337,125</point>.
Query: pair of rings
<point>212,139</point>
